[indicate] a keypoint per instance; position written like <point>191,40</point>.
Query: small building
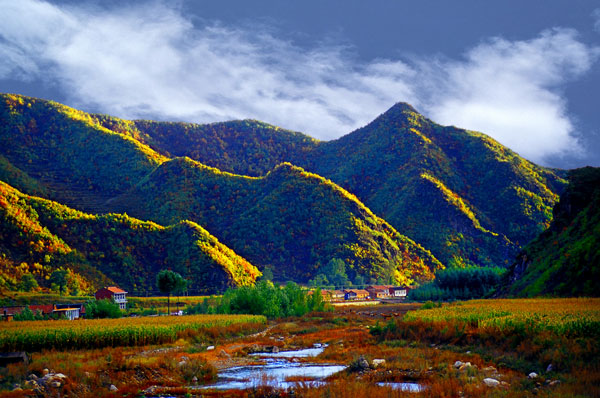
<point>376,293</point>
<point>379,291</point>
<point>355,294</point>
<point>337,295</point>
<point>44,309</point>
<point>9,312</point>
<point>399,291</point>
<point>69,311</point>
<point>114,293</point>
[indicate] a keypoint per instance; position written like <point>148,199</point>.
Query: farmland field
<point>88,333</point>
<point>573,316</point>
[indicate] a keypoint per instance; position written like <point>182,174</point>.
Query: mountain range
<point>396,200</point>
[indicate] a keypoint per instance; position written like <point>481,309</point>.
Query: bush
<point>199,368</point>
<point>95,309</point>
<point>263,299</point>
<point>28,315</point>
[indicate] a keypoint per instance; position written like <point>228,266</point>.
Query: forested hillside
<point>564,260</point>
<point>464,196</point>
<point>38,236</point>
<point>246,147</point>
<point>290,221</point>
<point>461,194</point>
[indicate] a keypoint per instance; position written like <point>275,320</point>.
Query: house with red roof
<point>114,293</point>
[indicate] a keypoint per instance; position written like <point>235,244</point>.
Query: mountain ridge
<point>80,180</point>
<point>489,198</point>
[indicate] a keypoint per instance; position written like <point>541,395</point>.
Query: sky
<point>526,73</point>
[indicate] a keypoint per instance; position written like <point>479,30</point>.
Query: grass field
<point>96,333</point>
<point>576,317</point>
<point>522,333</point>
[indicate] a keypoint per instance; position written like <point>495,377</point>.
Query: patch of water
<point>304,353</point>
<point>274,373</point>
<point>408,387</point>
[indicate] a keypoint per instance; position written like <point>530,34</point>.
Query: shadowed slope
<point>289,220</point>
<point>465,196</point>
<point>462,194</point>
<point>564,260</point>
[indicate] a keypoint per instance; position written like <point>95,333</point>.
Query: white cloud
<point>152,62</point>
<point>511,90</point>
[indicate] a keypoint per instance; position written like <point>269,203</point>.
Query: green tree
<point>335,271</point>
<point>167,282</point>
<point>58,281</point>
<point>28,283</point>
<point>267,274</point>
<point>28,315</point>
<point>182,285</point>
<point>319,280</point>
<point>95,309</point>
<point>359,280</point>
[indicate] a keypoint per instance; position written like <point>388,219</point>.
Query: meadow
<point>561,335</point>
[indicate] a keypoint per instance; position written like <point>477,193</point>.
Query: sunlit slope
<point>460,193</point>
<point>77,161</point>
<point>290,221</point>
<point>38,236</point>
<point>565,259</point>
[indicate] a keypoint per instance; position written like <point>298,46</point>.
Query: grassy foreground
<point>504,340</point>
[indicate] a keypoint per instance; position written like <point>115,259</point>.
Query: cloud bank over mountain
<point>152,61</point>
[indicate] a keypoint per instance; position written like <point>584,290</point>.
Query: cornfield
<point>95,333</point>
<point>573,316</point>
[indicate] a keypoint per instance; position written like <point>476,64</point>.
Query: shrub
<point>199,368</point>
<point>95,309</point>
<point>28,315</point>
<point>263,299</point>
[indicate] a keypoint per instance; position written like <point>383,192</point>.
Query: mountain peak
<point>401,112</point>
<point>402,107</point>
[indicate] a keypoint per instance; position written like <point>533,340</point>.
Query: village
<point>371,294</point>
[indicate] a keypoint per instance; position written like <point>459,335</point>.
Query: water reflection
<point>304,353</point>
<point>274,373</point>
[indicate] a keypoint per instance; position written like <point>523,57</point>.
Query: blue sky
<point>525,72</point>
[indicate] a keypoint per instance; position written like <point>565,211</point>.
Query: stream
<point>284,370</point>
